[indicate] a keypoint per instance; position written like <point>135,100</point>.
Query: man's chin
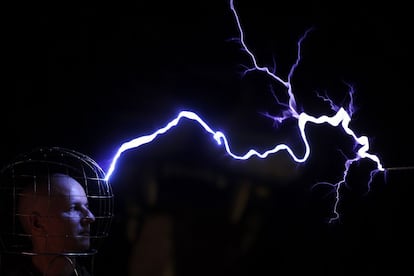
<point>84,246</point>
<point>81,245</point>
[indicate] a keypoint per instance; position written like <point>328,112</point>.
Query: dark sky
<point>93,75</point>
<point>90,76</point>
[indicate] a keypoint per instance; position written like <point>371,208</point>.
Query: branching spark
<point>341,118</point>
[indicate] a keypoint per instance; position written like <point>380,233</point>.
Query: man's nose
<point>88,216</point>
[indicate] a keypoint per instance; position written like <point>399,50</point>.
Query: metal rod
<point>400,168</point>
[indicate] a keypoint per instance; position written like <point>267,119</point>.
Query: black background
<point>90,76</point>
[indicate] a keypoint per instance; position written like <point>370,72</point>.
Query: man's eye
<point>79,207</point>
<point>74,208</point>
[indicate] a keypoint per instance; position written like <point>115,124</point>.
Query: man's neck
<point>54,265</point>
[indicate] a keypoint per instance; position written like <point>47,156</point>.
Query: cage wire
<point>27,169</point>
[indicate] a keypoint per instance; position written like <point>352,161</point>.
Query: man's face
<point>66,217</point>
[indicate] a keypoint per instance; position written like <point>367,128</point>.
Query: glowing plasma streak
<point>340,119</point>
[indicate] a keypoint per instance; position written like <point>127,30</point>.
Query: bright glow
<point>340,118</point>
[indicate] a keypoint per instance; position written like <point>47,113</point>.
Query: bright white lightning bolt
<point>341,118</point>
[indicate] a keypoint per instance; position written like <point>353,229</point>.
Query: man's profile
<point>56,216</point>
<point>57,205</point>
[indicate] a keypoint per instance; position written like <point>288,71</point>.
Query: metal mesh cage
<point>27,168</point>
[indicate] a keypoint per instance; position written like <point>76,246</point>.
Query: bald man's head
<point>54,213</point>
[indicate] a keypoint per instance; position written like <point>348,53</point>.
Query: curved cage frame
<point>42,162</point>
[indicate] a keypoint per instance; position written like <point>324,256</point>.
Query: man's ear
<point>36,224</point>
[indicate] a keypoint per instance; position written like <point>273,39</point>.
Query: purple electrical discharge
<point>341,118</point>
